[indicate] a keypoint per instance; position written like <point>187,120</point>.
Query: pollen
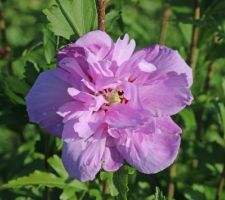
<point>113,97</point>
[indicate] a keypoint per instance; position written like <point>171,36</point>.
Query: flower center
<point>113,97</point>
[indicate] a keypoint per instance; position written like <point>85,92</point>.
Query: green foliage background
<point>35,29</point>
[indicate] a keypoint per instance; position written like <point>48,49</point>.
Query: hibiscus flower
<point>111,105</point>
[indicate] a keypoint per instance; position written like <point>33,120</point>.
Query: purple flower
<point>110,104</point>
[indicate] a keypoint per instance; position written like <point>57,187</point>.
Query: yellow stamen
<point>113,97</point>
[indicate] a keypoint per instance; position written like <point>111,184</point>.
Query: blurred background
<point>30,33</point>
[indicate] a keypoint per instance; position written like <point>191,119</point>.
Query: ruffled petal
<point>97,42</point>
<point>82,159</point>
<point>90,101</point>
<point>72,52</point>
<point>112,160</point>
<point>71,79</point>
<point>166,94</point>
<point>43,100</point>
<point>167,60</point>
<point>151,152</point>
<point>69,109</point>
<point>136,69</point>
<point>88,123</point>
<point>123,50</point>
<point>101,69</point>
<point>131,94</point>
<point>73,67</point>
<point>124,116</point>
<point>69,134</point>
<point>81,124</point>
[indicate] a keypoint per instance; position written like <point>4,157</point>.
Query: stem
<point>105,190</point>
<point>171,187</point>
<point>165,22</point>
<point>220,186</point>
<point>101,5</point>
<point>209,75</point>
<point>82,195</point>
<point>210,66</point>
<point>47,151</point>
<point>164,28</point>
<point>195,35</point>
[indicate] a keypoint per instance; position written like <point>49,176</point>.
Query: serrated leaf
<point>159,194</point>
<point>108,177</point>
<point>69,17</point>
<point>56,163</point>
<point>120,180</point>
<point>67,194</point>
<point>49,45</point>
<point>14,88</point>
<point>16,85</point>
<point>39,178</point>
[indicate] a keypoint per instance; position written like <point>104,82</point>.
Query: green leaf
<point>96,194</point>
<point>195,192</point>
<point>39,178</point>
<point>56,163</point>
<point>108,177</point>
<point>14,88</point>
<point>31,73</point>
<point>159,194</point>
<point>68,194</point>
<point>36,178</point>
<point>189,119</point>
<point>16,85</point>
<point>221,114</point>
<point>68,17</point>
<point>120,180</point>
<point>49,45</point>
<point>111,18</point>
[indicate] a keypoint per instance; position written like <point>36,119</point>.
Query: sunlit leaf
<point>69,17</point>
<point>120,180</point>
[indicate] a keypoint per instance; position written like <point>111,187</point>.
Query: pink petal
<point>151,153</point>
<point>97,42</point>
<point>82,124</point>
<point>80,96</point>
<point>167,125</point>
<point>136,69</point>
<point>88,123</point>
<point>73,67</point>
<point>131,93</point>
<point>123,50</point>
<point>101,69</point>
<point>124,116</point>
<point>72,79</point>
<point>69,134</point>
<point>112,160</point>
<point>145,66</point>
<point>130,65</point>
<point>72,52</point>
<point>167,60</point>
<point>92,102</point>
<point>43,100</point>
<point>70,108</point>
<point>166,94</point>
<point>82,159</point>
